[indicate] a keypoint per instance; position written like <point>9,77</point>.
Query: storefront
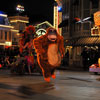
<point>78,45</point>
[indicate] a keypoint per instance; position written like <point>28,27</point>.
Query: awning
<point>98,41</point>
<point>84,41</point>
<point>71,42</point>
<point>89,41</point>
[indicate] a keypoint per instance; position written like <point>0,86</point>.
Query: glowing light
<point>56,17</point>
<point>40,32</point>
<point>18,34</point>
<point>59,8</point>
<point>20,8</point>
<point>3,15</point>
<point>8,43</point>
<point>15,30</point>
<point>0,65</point>
<point>12,21</point>
<point>6,26</point>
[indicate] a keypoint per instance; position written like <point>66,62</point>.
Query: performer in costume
<point>50,51</point>
<point>26,45</point>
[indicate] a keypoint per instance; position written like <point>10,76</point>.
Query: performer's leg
<point>45,70</point>
<point>52,73</point>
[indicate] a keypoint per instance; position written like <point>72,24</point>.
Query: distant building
<point>77,35</point>
<point>19,23</point>
<point>6,31</point>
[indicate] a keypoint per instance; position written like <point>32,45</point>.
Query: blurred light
<point>8,43</point>
<point>59,8</point>
<point>14,30</point>
<point>6,26</point>
<point>86,19</point>
<point>12,21</point>
<point>40,32</point>
<point>3,15</point>
<point>20,8</point>
<point>18,34</point>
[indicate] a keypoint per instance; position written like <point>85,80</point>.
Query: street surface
<point>69,85</point>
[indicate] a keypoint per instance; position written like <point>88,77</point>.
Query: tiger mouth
<point>53,39</point>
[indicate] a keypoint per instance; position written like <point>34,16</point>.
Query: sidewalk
<point>71,68</point>
<point>4,71</point>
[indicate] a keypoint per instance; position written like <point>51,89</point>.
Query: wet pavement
<point>69,85</point>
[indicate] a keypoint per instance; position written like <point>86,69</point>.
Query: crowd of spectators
<point>7,56</point>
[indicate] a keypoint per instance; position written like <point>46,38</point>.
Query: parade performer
<point>26,45</point>
<point>50,51</point>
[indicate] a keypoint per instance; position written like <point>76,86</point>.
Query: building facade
<point>77,35</point>
<point>19,24</point>
<point>6,31</point>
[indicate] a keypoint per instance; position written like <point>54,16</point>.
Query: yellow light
<point>18,34</point>
<point>12,21</point>
<point>18,5</point>
<point>46,22</point>
<point>3,15</point>
<point>6,26</point>
<point>56,17</point>
<point>71,47</point>
<point>2,43</point>
<point>15,30</point>
<point>8,43</point>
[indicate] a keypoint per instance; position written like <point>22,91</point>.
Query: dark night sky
<point>37,10</point>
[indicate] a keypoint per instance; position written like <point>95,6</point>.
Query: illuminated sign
<point>97,18</point>
<point>95,31</point>
<point>40,32</point>
<point>56,17</point>
<point>8,43</point>
<point>20,8</point>
<point>2,14</point>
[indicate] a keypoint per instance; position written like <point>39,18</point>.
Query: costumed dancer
<point>26,45</point>
<point>50,51</point>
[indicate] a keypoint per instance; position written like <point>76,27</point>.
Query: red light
<point>0,66</point>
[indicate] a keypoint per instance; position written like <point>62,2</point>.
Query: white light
<point>6,26</point>
<point>20,8</point>
<point>8,43</point>
<point>85,19</point>
<point>3,15</point>
<point>12,21</point>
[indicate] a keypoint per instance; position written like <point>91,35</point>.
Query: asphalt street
<point>68,85</point>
